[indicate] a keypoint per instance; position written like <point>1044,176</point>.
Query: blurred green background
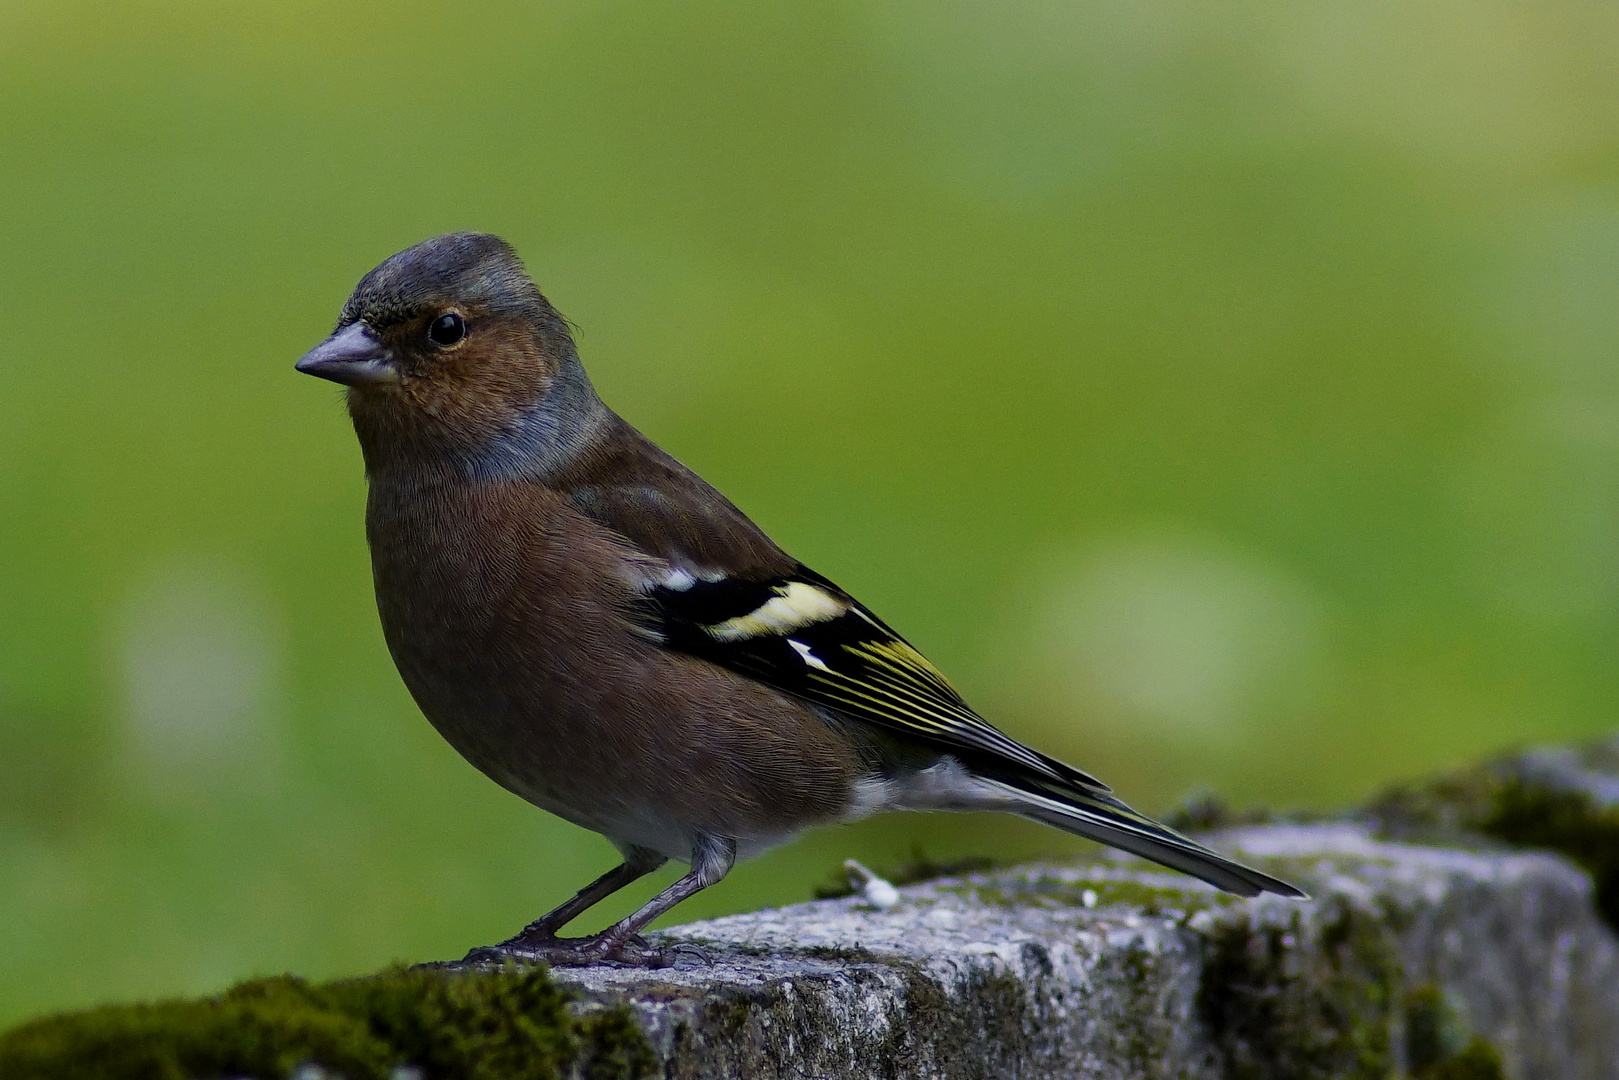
<point>1224,394</point>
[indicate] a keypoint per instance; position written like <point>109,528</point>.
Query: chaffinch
<point>602,633</point>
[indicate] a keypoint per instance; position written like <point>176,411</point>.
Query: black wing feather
<point>847,660</point>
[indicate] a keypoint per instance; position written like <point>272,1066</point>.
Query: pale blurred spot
<point>1553,306</point>
<point>1495,89</point>
<point>1177,632</point>
<point>199,660</point>
<point>1539,497</point>
<point>1012,101</point>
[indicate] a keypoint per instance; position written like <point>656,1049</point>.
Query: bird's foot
<point>581,952</point>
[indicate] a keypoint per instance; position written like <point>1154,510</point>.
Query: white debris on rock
<point>869,887</point>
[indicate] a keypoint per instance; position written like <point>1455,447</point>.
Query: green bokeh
<point>1224,394</point>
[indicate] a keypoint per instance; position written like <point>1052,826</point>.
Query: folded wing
<point>800,633</point>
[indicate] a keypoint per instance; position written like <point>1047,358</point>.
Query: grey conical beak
<point>353,356</point>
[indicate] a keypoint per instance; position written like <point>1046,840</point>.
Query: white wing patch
<point>679,580</point>
<point>809,658</point>
<point>796,604</point>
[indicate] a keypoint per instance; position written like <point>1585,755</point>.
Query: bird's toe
<point>582,952</point>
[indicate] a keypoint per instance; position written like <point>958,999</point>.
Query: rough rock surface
<point>1463,928</point>
<point>1114,969</point>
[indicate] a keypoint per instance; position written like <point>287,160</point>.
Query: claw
<point>687,948</point>
<point>488,954</point>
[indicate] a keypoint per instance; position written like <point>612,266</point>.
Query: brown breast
<point>508,614</point>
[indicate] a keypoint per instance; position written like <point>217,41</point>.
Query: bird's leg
<point>542,932</point>
<point>711,859</point>
<point>638,863</point>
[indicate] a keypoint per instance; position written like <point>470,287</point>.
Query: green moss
<point>1567,822</point>
<point>982,1028</point>
<point>480,1025</point>
<point>1437,1043</point>
<point>1432,1029</point>
<point>927,1012</point>
<point>612,1046</point>
<point>1203,810</point>
<point>1140,1022</point>
<point>1475,1061</point>
<point>849,954</point>
<point>917,869</point>
<point>1279,1009</point>
<point>1149,900</point>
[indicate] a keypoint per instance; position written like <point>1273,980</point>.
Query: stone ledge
<point>1115,969</point>
<point>1431,951</point>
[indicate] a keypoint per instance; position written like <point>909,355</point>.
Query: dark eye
<point>446,330</point>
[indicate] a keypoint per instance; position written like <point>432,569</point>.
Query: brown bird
<point>602,633</point>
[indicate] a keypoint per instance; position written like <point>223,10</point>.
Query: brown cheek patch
<point>477,390</point>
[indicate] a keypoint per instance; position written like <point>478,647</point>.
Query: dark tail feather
<point>1103,818</point>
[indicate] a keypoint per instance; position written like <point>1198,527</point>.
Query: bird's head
<point>454,361</point>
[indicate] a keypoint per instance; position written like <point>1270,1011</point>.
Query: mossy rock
<point>477,1025</point>
<point>1301,999</point>
<point>1526,801</point>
